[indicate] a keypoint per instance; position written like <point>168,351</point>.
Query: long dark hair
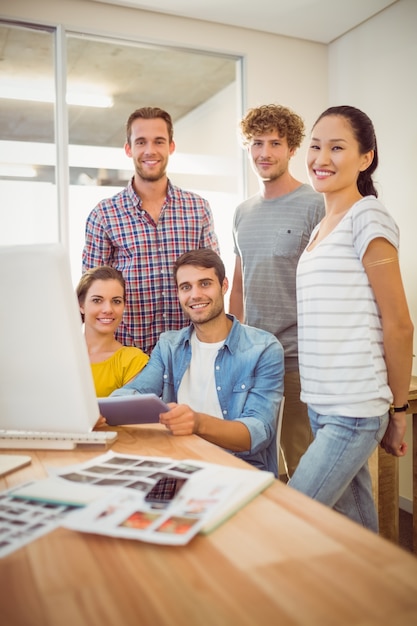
<point>364,132</point>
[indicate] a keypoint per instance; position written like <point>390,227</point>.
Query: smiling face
<point>150,148</point>
<point>103,306</point>
<point>269,155</point>
<point>334,160</point>
<point>200,293</point>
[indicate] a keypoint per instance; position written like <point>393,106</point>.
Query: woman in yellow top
<point>101,297</point>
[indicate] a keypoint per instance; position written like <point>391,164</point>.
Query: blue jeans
<point>334,469</point>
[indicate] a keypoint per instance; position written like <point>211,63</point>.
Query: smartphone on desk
<point>164,491</point>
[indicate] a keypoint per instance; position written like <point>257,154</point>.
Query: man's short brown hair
<point>202,257</point>
<point>149,113</point>
<point>273,117</point>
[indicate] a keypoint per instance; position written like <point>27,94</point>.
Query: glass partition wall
<point>27,140</point>
<point>64,101</point>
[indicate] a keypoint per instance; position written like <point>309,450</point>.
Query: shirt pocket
<point>288,242</point>
<point>244,384</point>
<point>241,389</point>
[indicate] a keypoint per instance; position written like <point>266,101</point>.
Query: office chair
<point>280,415</point>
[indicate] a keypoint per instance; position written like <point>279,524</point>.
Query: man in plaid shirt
<point>144,228</point>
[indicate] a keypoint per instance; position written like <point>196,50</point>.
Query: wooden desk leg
<point>389,495</point>
<point>415,483</point>
<point>385,478</point>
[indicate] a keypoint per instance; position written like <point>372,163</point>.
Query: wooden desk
<point>283,559</point>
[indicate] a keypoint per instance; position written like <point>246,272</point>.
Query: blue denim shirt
<point>249,374</point>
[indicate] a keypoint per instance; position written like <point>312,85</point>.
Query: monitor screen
<point>45,375</point>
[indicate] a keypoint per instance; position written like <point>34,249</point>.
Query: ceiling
<point>316,20</point>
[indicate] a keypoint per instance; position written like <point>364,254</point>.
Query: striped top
<point>341,352</point>
<point>122,234</point>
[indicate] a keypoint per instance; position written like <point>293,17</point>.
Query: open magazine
<point>153,499</point>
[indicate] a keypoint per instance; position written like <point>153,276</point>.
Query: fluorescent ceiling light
<point>18,92</point>
<point>18,171</point>
<point>90,100</point>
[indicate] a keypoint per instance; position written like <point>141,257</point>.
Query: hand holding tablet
<point>135,409</point>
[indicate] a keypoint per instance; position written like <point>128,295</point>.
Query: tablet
<point>136,409</point>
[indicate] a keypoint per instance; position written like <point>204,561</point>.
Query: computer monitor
<point>46,382</point>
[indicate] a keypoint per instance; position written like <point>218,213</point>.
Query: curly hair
<point>273,117</point>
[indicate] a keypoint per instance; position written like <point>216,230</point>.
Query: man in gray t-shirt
<point>270,231</point>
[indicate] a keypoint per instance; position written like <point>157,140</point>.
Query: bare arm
<point>383,270</point>
<point>236,307</point>
<point>182,420</point>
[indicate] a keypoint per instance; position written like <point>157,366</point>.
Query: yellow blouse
<point>117,370</point>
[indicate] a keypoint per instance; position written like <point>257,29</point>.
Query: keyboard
<point>35,440</point>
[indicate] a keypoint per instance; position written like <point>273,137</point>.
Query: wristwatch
<point>398,409</point>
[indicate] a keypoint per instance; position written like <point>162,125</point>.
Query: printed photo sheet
<point>124,510</point>
<point>153,499</point>
<point>23,520</point>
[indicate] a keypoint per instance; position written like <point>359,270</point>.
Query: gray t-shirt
<point>269,237</point>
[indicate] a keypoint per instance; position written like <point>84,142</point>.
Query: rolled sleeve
<point>264,397</point>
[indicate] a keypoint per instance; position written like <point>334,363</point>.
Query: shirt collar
<point>232,339</point>
<point>136,200</point>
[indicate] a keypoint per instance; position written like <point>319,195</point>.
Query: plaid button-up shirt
<point>121,234</point>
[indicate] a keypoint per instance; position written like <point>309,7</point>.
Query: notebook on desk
<point>47,395</point>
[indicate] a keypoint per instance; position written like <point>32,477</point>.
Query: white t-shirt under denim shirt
<point>341,350</point>
<point>198,385</point>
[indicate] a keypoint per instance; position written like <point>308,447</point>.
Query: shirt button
<point>217,367</point>
<point>243,386</point>
<point>218,388</point>
<point>165,376</point>
<point>224,412</point>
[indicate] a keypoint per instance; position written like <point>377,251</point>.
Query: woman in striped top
<point>355,332</point>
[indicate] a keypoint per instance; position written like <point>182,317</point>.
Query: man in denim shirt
<point>230,374</point>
